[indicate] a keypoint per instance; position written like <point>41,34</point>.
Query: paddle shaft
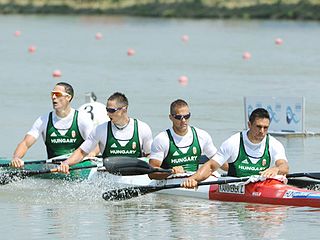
<point>53,161</point>
<point>313,175</point>
<point>53,170</point>
<point>127,193</point>
<point>131,192</point>
<point>36,162</point>
<point>12,176</point>
<point>222,181</point>
<point>226,181</point>
<point>128,166</point>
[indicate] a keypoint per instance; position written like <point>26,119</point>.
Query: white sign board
<point>286,113</point>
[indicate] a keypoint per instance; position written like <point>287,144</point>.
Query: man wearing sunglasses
<point>250,152</point>
<point>121,136</point>
<point>63,130</point>
<point>180,147</point>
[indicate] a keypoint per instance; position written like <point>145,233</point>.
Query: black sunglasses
<point>180,117</point>
<point>113,110</point>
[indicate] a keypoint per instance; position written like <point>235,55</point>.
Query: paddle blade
<point>5,165</point>
<point>126,166</point>
<point>131,192</point>
<point>27,162</point>
<point>128,193</point>
<point>314,175</point>
<point>304,183</point>
<point>9,177</point>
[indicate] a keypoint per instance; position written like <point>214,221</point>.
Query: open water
<point>218,80</point>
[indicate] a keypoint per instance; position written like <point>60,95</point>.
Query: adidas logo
<point>53,134</point>
<point>114,145</point>
<point>175,154</point>
<point>245,161</point>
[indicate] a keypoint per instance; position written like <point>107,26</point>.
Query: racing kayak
<point>270,191</point>
<point>87,169</point>
<point>137,183</point>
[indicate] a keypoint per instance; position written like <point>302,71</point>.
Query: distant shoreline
<point>303,10</point>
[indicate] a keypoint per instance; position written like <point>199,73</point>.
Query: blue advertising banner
<point>286,113</point>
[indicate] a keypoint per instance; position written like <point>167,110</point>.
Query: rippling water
<point>80,213</point>
<point>218,80</point>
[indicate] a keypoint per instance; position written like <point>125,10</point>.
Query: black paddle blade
<point>126,166</point>
<point>9,177</point>
<point>304,183</point>
<point>131,192</point>
<point>129,166</point>
<point>5,165</point>
<point>314,175</point>
<point>128,193</point>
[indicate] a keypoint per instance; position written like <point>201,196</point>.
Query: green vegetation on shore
<point>257,9</point>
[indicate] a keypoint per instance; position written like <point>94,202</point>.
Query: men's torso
<point>62,141</point>
<point>128,146</point>
<point>186,156</point>
<point>247,164</point>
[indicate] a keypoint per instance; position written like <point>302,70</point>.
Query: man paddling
<point>121,136</point>
<point>63,130</point>
<point>180,147</point>
<point>250,152</point>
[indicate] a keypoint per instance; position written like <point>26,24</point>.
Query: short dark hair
<point>177,104</point>
<point>120,98</point>
<point>258,113</point>
<point>67,87</point>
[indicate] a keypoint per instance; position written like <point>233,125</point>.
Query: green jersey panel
<point>189,160</point>
<point>243,166</point>
<point>131,149</point>
<point>58,144</point>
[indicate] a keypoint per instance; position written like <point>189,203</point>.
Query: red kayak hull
<point>270,191</point>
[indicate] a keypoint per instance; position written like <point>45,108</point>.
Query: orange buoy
<point>183,80</point>
<point>246,55</point>
<point>278,41</point>
<point>131,52</point>
<point>99,36</point>
<point>32,49</point>
<point>56,73</point>
<point>17,33</point>
<point>185,38</point>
